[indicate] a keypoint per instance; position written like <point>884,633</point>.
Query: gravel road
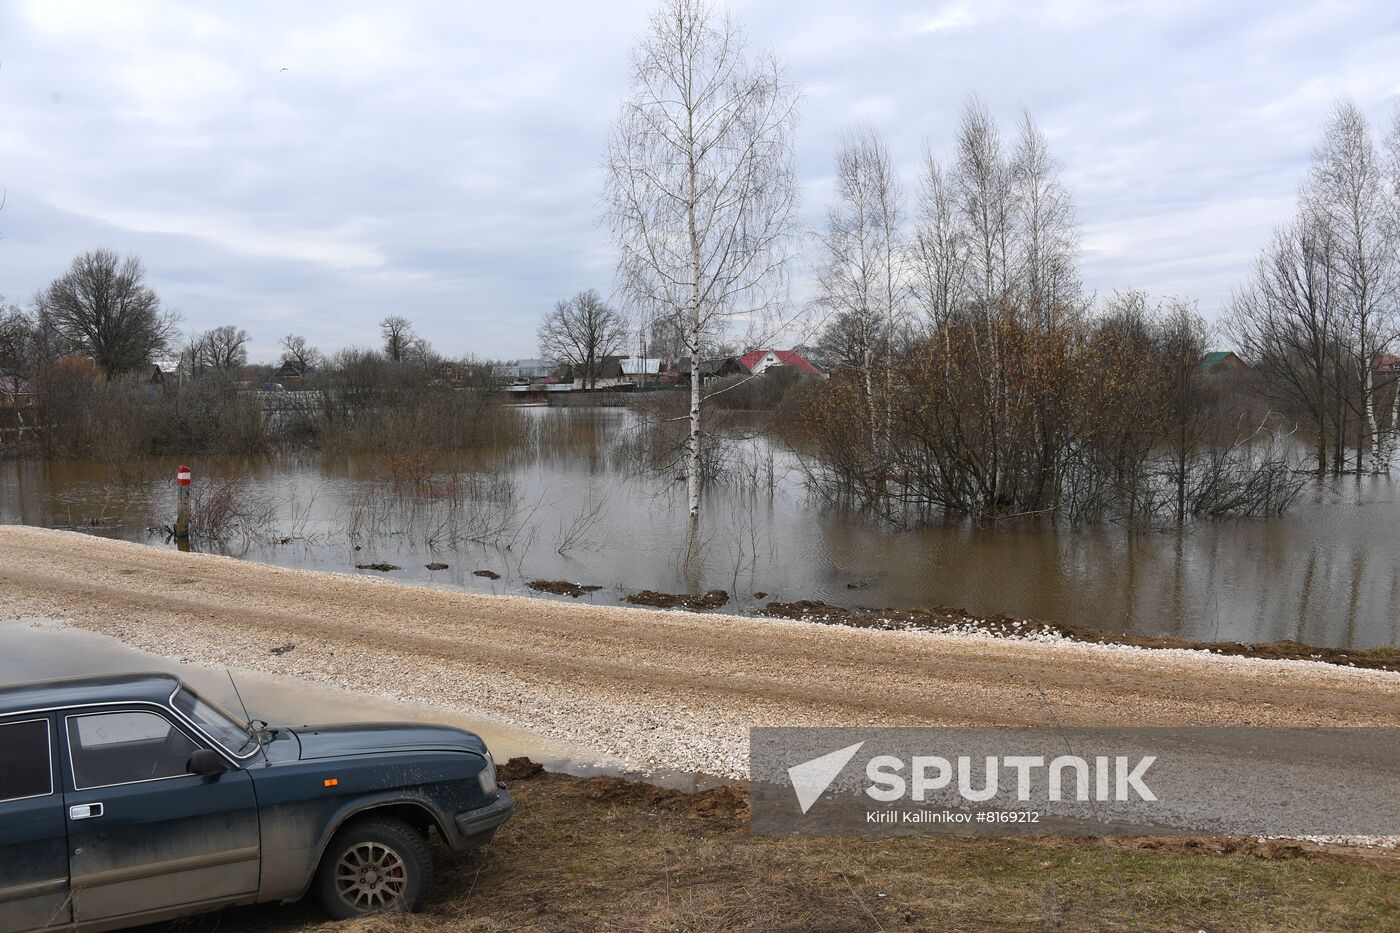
<point>653,688</point>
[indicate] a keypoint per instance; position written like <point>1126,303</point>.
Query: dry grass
<point>599,854</point>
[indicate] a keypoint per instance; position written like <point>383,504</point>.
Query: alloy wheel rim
<point>370,876</point>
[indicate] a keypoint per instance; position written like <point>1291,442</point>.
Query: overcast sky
<point>312,168</point>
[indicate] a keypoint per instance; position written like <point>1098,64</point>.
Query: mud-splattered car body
<point>129,799</point>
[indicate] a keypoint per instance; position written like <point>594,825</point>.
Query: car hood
<point>367,738</point>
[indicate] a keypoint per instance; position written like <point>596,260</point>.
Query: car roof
<point>81,691</point>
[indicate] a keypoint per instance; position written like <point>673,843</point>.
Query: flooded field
<point>583,509</point>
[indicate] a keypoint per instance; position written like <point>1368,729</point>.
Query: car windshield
<point>223,728</point>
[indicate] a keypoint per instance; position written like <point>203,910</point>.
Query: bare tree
<point>984,197</point>
<point>1392,145</point>
<point>103,307</point>
<point>1347,192</point>
<point>940,246</point>
<point>982,180</point>
<point>1045,234</point>
<point>863,276</point>
<point>580,333</point>
<point>398,337</point>
<point>303,356</point>
<point>661,337</point>
<point>419,351</point>
<point>223,349</point>
<point>845,344</point>
<point>1181,344</point>
<point>17,345</point>
<point>700,185</point>
<point>1285,324</point>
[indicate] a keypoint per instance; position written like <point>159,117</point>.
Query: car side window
<point>26,767</point>
<point>126,747</point>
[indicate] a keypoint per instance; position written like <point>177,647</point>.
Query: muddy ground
<point>605,854</point>
<point>714,599</point>
<point>562,588</point>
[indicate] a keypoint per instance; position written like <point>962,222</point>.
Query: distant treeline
<point>93,371</point>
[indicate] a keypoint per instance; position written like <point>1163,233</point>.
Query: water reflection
<point>1325,574</point>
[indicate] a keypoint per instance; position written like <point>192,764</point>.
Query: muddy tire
<point>373,866</point>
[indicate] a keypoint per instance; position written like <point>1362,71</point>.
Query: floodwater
<point>1327,573</point>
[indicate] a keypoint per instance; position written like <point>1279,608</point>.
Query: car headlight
<point>486,777</point>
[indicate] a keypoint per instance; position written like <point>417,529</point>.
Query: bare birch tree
<point>581,332</point>
<point>700,185</point>
<point>1347,193</point>
<point>940,246</point>
<point>982,179</point>
<point>1392,145</point>
<point>863,279</point>
<point>1046,238</point>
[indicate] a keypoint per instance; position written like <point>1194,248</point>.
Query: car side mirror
<point>206,762</point>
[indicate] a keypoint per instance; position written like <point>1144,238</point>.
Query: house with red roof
<point>758,361</point>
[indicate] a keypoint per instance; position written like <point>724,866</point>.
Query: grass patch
<point>603,854</point>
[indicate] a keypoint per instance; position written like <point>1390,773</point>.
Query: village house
<point>648,370</point>
<point>523,372</point>
<point>1222,361</point>
<point>718,367</point>
<point>291,371</point>
<point>609,375</point>
<point>163,369</point>
<point>760,361</point>
<point>450,374</point>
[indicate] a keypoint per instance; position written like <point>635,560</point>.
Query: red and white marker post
<point>182,517</point>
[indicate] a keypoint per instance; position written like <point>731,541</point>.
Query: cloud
<point>949,17</point>
<point>342,249</point>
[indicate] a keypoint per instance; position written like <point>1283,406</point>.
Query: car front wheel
<point>372,866</point>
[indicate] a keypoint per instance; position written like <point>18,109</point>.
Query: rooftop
<point>784,357</point>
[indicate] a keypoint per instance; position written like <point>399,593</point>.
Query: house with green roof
<point>1222,361</point>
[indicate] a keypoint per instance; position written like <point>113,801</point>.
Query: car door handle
<point>84,811</point>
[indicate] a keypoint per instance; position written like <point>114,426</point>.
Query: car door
<point>145,835</point>
<point>33,837</point>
